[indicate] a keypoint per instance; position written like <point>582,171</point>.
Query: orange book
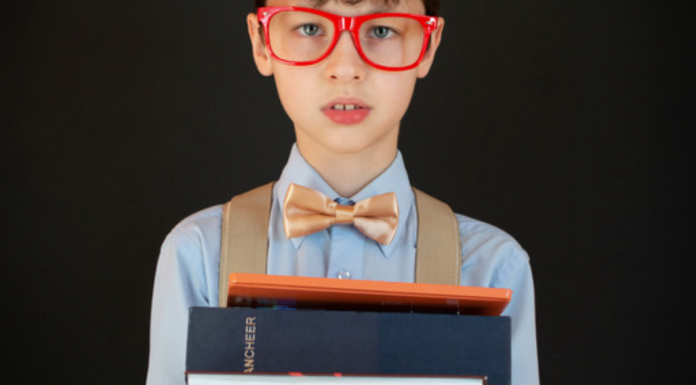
<point>263,290</point>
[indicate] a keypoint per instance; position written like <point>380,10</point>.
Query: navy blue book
<point>222,340</point>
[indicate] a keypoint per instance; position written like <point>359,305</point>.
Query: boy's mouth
<point>346,112</point>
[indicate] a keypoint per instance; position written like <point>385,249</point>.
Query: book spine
<point>278,341</point>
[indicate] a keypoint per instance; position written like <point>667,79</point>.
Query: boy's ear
<point>258,46</point>
<point>435,39</point>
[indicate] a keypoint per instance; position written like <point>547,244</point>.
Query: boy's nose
<point>344,63</point>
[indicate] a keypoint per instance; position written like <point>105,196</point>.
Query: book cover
<point>314,341</point>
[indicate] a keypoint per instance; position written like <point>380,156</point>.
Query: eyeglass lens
<point>304,37</point>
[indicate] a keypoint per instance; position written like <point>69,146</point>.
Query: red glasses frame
<point>351,24</point>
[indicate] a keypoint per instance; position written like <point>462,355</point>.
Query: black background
<point>566,123</point>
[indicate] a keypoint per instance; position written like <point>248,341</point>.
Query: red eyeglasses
<point>306,36</point>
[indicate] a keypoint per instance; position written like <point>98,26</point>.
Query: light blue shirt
<point>187,272</point>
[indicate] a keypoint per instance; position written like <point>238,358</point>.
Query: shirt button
<point>343,274</point>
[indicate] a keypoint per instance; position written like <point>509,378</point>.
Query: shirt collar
<point>393,179</point>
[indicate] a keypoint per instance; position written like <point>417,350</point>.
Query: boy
<point>346,93</point>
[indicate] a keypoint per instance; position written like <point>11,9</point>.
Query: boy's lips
<point>346,110</point>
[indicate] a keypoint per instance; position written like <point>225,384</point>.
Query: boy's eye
<point>381,32</point>
<point>310,29</point>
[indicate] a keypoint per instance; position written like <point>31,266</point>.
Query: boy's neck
<point>348,173</point>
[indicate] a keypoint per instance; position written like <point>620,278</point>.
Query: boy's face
<point>314,95</point>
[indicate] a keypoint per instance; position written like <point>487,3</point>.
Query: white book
<point>280,379</point>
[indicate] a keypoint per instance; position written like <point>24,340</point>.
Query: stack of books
<point>286,329</point>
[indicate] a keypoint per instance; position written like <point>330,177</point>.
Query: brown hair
<point>432,7</point>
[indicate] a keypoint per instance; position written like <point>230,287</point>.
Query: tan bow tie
<point>306,211</point>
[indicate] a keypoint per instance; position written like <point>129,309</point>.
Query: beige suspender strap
<point>438,259</point>
<point>244,238</point>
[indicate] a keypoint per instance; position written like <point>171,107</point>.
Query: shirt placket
<point>347,251</point>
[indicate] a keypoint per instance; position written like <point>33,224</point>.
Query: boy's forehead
<point>357,6</point>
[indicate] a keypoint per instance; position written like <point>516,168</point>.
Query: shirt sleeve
<point>182,280</point>
<point>492,258</point>
<point>521,311</point>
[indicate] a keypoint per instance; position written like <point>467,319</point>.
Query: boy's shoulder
<point>472,228</point>
<point>203,218</point>
<point>489,254</point>
<point>198,230</point>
